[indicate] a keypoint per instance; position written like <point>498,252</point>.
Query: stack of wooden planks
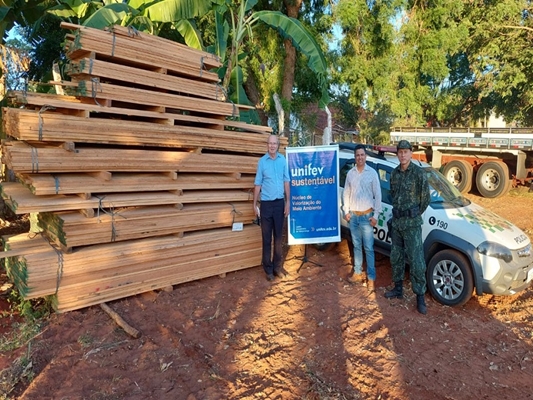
<point>137,176</point>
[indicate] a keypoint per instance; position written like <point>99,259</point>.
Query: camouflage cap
<point>404,144</point>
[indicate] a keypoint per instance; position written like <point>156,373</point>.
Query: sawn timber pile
<point>137,175</point>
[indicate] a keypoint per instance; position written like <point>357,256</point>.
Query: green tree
<point>500,55</point>
<point>367,71</point>
<point>443,62</point>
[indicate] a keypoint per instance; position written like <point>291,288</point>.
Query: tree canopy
<point>439,62</point>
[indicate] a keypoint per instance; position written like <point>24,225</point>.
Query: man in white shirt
<point>361,206</point>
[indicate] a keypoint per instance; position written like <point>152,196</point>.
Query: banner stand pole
<point>305,259</point>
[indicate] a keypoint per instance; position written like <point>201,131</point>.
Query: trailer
<point>494,159</point>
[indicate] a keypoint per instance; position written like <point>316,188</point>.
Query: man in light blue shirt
<point>272,188</point>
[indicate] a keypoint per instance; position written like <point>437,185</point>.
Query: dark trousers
<point>272,218</point>
<point>407,243</point>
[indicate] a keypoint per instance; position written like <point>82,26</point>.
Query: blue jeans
<point>362,231</point>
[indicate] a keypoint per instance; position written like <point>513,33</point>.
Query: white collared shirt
<point>362,191</point>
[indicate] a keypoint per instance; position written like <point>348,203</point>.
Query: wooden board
<point>106,182</point>
<point>100,273</point>
<point>87,107</point>
<point>87,68</point>
<point>24,158</point>
<point>71,229</point>
<point>99,92</point>
<point>142,49</point>
<point>22,201</point>
<point>51,126</point>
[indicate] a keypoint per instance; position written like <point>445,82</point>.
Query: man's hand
<point>347,217</point>
<point>373,221</point>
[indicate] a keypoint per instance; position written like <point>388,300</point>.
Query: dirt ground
<point>310,335</point>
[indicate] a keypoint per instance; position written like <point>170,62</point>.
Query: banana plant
<point>240,33</point>
<point>148,14</point>
<point>234,23</point>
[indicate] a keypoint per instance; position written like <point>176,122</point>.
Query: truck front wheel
<point>492,179</point>
<point>449,278</point>
<point>459,173</point>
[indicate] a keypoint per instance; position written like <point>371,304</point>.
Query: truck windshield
<point>443,193</point>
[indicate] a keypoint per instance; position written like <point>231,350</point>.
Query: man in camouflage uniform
<point>410,198</point>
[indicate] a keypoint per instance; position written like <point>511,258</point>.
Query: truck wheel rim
<point>448,280</point>
<point>454,176</point>
<point>491,180</point>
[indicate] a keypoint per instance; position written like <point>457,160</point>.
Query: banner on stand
<point>314,215</point>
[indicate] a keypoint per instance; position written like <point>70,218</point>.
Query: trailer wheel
<point>459,173</point>
<point>492,179</point>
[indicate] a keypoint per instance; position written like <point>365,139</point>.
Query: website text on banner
<point>314,201</point>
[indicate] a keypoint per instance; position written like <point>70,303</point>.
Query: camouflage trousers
<point>407,246</point>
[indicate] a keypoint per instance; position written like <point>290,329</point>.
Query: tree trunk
<point>250,87</point>
<point>289,65</point>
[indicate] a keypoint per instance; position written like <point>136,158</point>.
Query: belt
<point>411,212</point>
<point>359,213</point>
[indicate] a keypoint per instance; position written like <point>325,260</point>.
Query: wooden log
<point>120,321</point>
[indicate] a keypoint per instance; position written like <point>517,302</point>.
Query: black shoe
<point>270,277</point>
<point>421,304</point>
<point>281,272</point>
<point>396,292</point>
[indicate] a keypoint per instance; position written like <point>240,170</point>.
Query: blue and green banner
<point>314,200</point>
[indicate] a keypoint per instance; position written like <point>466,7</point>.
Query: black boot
<point>421,304</point>
<point>397,292</point>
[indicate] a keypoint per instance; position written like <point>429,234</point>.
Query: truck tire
<point>449,278</point>
<point>492,179</point>
<point>459,173</point>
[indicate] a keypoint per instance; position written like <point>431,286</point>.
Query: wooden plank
<point>68,229</point>
<point>208,60</point>
<point>88,68</point>
<point>72,103</point>
<point>50,126</point>
<point>110,268</point>
<point>141,50</point>
<point>23,158</point>
<point>106,91</point>
<point>172,276</point>
<point>72,183</point>
<point>22,201</point>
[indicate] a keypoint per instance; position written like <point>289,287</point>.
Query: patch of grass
<point>33,313</point>
<point>85,340</point>
<point>21,370</point>
<point>21,333</point>
<point>520,191</point>
<point>34,309</point>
